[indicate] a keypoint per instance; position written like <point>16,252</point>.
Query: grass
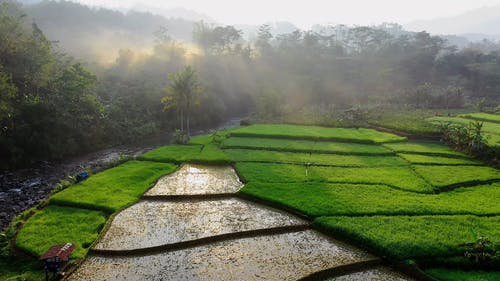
<point>266,172</point>
<point>400,177</point>
<point>304,146</point>
<point>115,188</point>
<point>360,135</point>
<point>424,148</point>
<point>404,237</point>
<point>57,225</point>
<point>211,137</point>
<point>246,155</point>
<point>172,153</point>
<point>325,199</point>
<point>201,140</point>
<point>436,160</point>
<point>212,154</point>
<point>269,144</point>
<point>20,269</point>
<point>445,274</point>
<point>480,116</point>
<point>405,121</point>
<point>175,153</point>
<point>443,177</point>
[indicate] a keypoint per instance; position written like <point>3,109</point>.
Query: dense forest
<point>53,105</point>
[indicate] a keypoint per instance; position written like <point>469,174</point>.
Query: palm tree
<point>183,93</point>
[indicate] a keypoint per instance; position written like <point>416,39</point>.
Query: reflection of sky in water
<point>195,179</point>
<point>148,224</point>
<point>274,257</point>
<point>378,274</point>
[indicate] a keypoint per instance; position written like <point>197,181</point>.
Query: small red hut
<point>57,257</point>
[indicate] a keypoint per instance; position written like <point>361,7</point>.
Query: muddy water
<point>378,274</point>
<point>196,179</point>
<point>153,223</point>
<point>275,257</point>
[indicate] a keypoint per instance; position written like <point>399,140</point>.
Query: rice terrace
<point>302,202</point>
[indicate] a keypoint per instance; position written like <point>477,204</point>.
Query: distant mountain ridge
<point>474,25</point>
<point>177,12</point>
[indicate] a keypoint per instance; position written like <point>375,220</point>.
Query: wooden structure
<point>57,258</point>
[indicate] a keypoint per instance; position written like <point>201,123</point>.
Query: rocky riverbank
<point>23,189</point>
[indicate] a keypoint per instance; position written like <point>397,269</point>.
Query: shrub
<point>180,137</point>
<point>480,251</point>
<point>468,139</point>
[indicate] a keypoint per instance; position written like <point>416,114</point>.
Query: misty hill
<point>475,24</point>
<point>93,33</point>
<point>178,12</point>
<point>99,33</point>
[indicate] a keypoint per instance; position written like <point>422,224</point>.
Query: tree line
<point>53,106</point>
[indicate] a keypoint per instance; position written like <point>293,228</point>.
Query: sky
<point>305,13</point>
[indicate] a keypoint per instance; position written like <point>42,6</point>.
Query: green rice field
<point>404,200</point>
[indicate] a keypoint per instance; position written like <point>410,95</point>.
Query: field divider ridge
<point>188,197</point>
<point>466,184</point>
<point>201,241</point>
<point>358,183</point>
<point>320,165</point>
<point>310,151</point>
<point>437,154</point>
<point>341,270</point>
<point>317,139</point>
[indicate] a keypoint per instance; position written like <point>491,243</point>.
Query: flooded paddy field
<point>194,179</point>
<point>153,223</point>
<point>286,256</point>
<point>377,274</point>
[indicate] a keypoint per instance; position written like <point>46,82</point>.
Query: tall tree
<point>264,37</point>
<point>215,39</point>
<point>183,93</point>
